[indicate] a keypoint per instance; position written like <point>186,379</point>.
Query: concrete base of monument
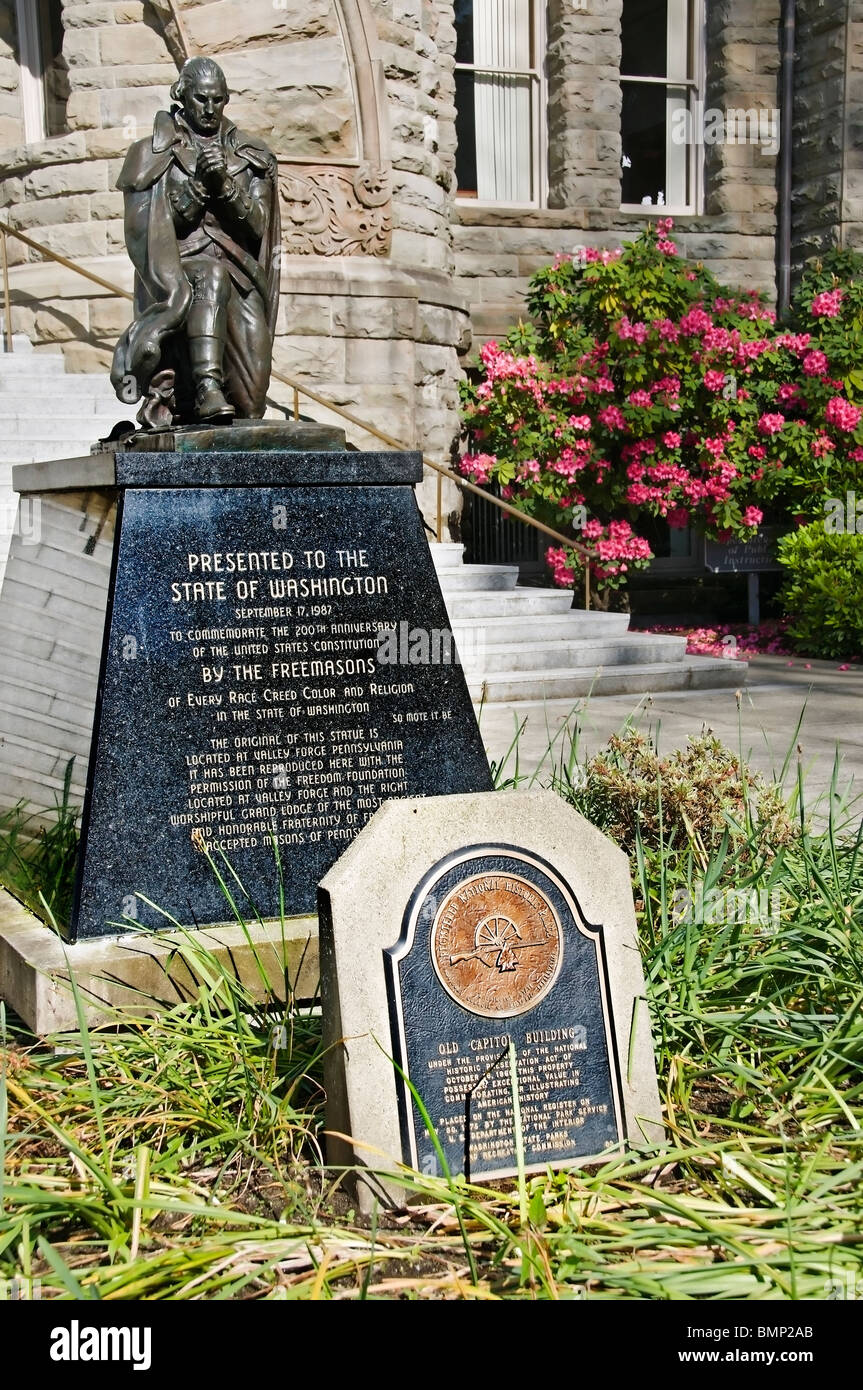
<point>142,973</point>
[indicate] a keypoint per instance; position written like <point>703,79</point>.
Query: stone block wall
<point>583,67</point>
<point>819,104</point>
<point>11,129</point>
<point>852,196</point>
<point>828,129</point>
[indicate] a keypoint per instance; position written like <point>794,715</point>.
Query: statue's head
<point>202,92</point>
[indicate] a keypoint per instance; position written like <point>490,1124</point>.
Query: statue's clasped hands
<point>212,171</point>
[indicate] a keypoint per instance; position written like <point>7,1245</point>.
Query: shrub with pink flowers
<point>643,388</point>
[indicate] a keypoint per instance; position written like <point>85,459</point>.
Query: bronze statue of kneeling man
<point>203,232</point>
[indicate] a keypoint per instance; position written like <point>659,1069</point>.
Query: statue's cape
<point>162,292</point>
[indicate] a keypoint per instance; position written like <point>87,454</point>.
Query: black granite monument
<point>257,697</point>
<point>277,656</point>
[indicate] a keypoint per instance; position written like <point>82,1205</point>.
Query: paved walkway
<point>774,694</point>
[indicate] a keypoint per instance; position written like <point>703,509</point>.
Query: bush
<point>693,798</point>
<point>824,590</point>
<point>645,388</point>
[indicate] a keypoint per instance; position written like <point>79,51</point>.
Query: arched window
<point>500,100</point>
<point>661,72</point>
<point>44,75</point>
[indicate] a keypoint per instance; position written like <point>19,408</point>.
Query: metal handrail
<point>298,388</point>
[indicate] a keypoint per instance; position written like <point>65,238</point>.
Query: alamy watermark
<point>22,518</point>
<point>403,645</point>
<point>844,1286</point>
<point>20,1289</point>
<point>756,908</point>
<point>730,125</point>
<point>843,516</point>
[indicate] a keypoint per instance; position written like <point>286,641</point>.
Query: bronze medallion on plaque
<point>497,945</point>
<point>496,952</point>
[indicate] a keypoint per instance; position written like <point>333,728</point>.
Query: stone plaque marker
<point>452,928</point>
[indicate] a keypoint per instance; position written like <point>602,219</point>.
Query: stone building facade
<point>354,98</point>
<point>392,272</point>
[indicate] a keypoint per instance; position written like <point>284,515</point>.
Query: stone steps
<point>41,450</point>
<point>521,644</point>
<point>72,389</point>
<point>46,414</point>
<point>645,678</point>
<point>566,653</point>
<point>23,361</point>
<point>80,407</point>
<point>61,427</point>
<point>478,577</point>
<point>467,604</point>
<point>536,626</point>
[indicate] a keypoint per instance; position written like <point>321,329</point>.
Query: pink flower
<point>666,246</point>
<point>612,418</point>
<point>757,451</point>
<point>678,518</point>
<point>857,454</point>
<point>641,399</point>
<point>579,422</point>
<point>591,530</point>
<point>771,424</point>
<point>637,332</point>
<point>794,342</point>
<point>695,322</point>
<point>815,363</point>
<point>787,393</point>
<point>822,444</point>
<point>842,414</point>
<point>478,467</point>
<point>827,304</point>
<point>666,330</point>
<point>671,439</point>
<point>752,517</point>
<point>714,381</point>
<point>562,574</point>
<point>593,254</point>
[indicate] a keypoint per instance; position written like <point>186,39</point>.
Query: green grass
<point>180,1157</point>
<point>37,862</point>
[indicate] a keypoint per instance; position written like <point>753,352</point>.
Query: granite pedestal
<point>248,710</point>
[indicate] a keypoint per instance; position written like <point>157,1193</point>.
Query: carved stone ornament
<point>330,210</point>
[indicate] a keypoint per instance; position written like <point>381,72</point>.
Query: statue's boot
<point>205,361</point>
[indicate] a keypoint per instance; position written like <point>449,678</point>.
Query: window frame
<point>30,23</point>
<point>536,75</point>
<point>691,154</point>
